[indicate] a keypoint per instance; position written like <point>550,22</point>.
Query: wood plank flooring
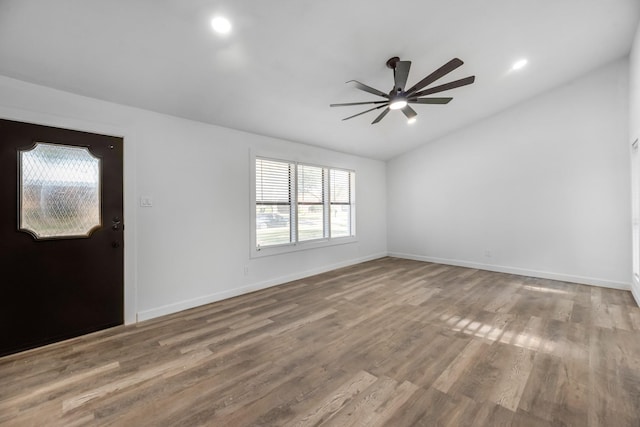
<point>389,342</point>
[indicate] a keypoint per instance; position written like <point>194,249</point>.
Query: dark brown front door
<point>61,234</point>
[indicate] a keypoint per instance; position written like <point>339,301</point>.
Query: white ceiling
<point>287,60</point>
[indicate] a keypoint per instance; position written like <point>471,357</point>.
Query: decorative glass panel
<point>59,191</point>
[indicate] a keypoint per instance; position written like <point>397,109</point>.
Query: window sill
<point>301,246</point>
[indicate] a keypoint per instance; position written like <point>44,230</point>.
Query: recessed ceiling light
<point>519,64</point>
<point>221,25</point>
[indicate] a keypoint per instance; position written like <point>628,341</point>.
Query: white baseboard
<point>520,271</point>
<point>218,296</point>
<point>635,291</point>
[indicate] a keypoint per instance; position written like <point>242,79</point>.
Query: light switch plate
<point>146,201</point>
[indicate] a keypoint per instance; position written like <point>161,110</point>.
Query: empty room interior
<point>305,213</point>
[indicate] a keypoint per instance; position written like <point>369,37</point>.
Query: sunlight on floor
<point>545,290</point>
<point>494,333</point>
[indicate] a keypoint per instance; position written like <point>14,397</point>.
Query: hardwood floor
<point>388,342</point>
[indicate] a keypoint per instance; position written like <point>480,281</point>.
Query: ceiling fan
<point>399,98</point>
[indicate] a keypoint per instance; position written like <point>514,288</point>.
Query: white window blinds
<point>274,201</point>
<point>302,203</point>
<point>311,198</point>
<point>340,185</point>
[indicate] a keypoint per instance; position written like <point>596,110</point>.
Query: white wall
<point>193,245</point>
<point>541,189</point>
<point>544,187</point>
<point>634,133</point>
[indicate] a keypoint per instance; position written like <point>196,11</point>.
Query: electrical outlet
<point>487,254</point>
<point>246,270</point>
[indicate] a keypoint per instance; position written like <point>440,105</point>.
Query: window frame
<point>295,245</point>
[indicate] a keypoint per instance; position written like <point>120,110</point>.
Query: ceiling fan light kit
<point>398,103</point>
<point>399,98</point>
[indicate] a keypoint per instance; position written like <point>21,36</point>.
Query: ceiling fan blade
<point>381,116</point>
<point>369,89</point>
<point>430,100</point>
<point>409,112</point>
<point>440,72</point>
<point>401,73</point>
<point>371,109</point>
<point>358,103</point>
<point>447,86</point>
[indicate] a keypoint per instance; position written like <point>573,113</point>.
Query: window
<point>340,211</point>
<point>298,203</point>
<point>274,205</point>
<point>311,200</point>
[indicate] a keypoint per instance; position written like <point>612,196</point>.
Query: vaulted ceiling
<point>285,61</point>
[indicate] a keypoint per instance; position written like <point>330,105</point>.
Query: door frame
<point>129,181</point>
